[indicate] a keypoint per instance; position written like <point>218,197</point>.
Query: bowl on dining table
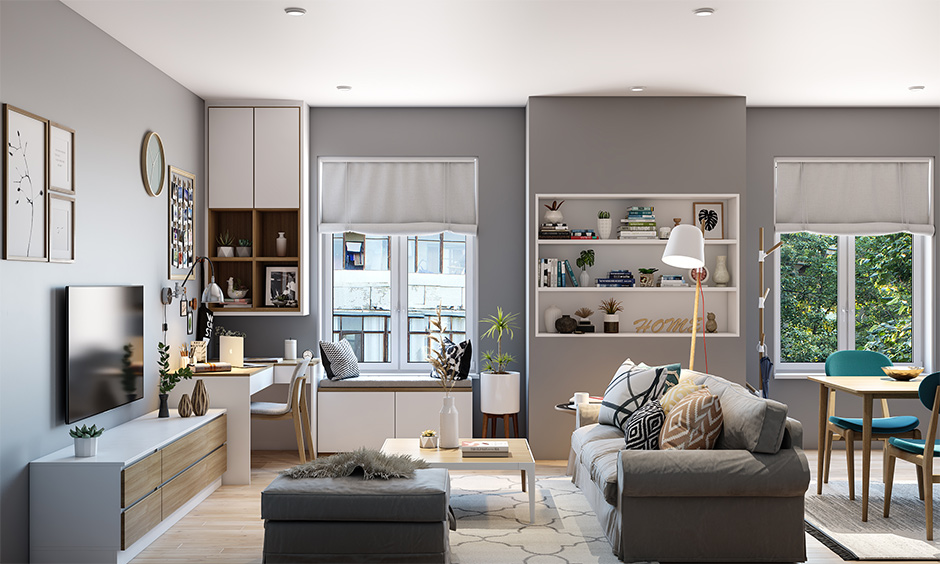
<point>903,373</point>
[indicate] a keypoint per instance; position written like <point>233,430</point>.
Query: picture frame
<point>184,305</point>
<point>61,159</point>
<point>280,288</point>
<point>180,223</point>
<point>61,228</point>
<point>25,184</point>
<point>189,323</point>
<point>713,215</point>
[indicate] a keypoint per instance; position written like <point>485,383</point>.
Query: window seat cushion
<point>393,381</point>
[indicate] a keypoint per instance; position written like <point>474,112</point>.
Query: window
<point>382,289</point>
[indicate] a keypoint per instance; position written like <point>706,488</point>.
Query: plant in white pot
<point>603,224</point>
<point>499,388</point>
<point>86,440</point>
<point>448,377</point>
<point>244,248</point>
<point>553,215</point>
<point>585,261</point>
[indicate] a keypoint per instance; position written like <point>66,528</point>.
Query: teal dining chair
<point>849,429</point>
<point>914,450</point>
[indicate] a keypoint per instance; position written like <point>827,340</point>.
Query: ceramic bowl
<point>903,373</point>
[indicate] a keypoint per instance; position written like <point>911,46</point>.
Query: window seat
<point>393,381</point>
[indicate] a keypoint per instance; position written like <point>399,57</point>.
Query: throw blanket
<point>374,464</point>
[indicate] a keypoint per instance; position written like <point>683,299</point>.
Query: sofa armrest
<point>793,434</point>
<point>586,414</point>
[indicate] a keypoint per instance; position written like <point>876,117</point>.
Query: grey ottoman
<point>355,520</point>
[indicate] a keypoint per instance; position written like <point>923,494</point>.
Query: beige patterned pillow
<point>693,423</point>
<point>675,394</point>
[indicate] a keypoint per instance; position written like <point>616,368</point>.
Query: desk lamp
<point>211,295</point>
<point>686,249</point>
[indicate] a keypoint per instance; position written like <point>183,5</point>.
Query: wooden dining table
<point>868,388</point>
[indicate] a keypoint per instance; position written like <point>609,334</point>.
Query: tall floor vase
<point>449,438</point>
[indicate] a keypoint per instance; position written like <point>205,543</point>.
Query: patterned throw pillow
<point>644,426</point>
<point>631,387</point>
<point>672,377</point>
<point>693,423</point>
<point>339,360</point>
<point>675,394</point>
<point>458,357</point>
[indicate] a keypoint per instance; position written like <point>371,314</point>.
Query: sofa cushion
<point>593,432</point>
<point>630,388</point>
<point>693,423</point>
<point>752,423</point>
<point>601,458</point>
<point>674,395</point>
<point>644,426</point>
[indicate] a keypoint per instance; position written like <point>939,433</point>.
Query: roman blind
<point>854,197</point>
<point>398,196</point>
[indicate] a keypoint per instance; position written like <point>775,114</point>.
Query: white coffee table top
<point>520,456</point>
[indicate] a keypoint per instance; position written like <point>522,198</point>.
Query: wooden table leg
<point>823,409</point>
<point>523,480</point>
<point>866,451</point>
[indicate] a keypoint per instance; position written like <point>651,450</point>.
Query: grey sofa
<point>741,502</point>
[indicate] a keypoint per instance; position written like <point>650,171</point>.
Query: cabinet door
<point>349,420</point>
<point>277,158</point>
<point>230,158</point>
<point>417,411</point>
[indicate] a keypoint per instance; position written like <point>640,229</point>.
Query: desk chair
<point>914,451</point>
<point>849,429</point>
<point>295,408</point>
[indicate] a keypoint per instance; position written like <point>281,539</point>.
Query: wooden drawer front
<point>182,488</point>
<point>216,464</point>
<point>138,520</point>
<point>141,478</point>
<point>181,454</point>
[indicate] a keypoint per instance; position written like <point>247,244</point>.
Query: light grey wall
<point>822,132</point>
<point>55,64</point>
<point>622,146</point>
<point>495,135</point>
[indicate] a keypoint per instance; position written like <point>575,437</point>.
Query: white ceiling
<point>500,52</point>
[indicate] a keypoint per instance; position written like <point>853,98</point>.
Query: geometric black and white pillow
<point>644,426</point>
<point>458,357</point>
<point>339,360</point>
<point>630,389</point>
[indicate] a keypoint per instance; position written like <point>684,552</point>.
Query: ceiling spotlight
<point>638,89</point>
<point>296,12</point>
<point>916,88</point>
<point>703,12</point>
<point>344,88</point>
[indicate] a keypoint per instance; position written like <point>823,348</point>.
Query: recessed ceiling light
<point>916,88</point>
<point>296,12</point>
<point>703,12</point>
<point>638,89</point>
<point>344,88</point>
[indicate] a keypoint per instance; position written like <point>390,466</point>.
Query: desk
<point>868,388</point>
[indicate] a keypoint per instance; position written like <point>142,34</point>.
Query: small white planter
<point>603,228</point>
<point>86,447</point>
<point>428,442</point>
<point>226,252</point>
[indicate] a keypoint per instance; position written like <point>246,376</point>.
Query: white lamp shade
<point>685,248</point>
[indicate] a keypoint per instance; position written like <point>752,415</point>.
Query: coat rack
<point>761,300</point>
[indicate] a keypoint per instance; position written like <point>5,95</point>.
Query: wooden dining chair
<point>295,408</point>
<point>849,429</point>
<point>915,451</point>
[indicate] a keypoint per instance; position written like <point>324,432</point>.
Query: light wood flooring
<point>227,526</point>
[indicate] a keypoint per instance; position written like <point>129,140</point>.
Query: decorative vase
<point>554,216</point>
<point>566,324</point>
<point>603,228</point>
<point>552,313</point>
<point>448,437</point>
<point>200,398</point>
<point>585,279</point>
<point>164,407</point>
<point>281,243</point>
<point>86,447</point>
<point>428,442</point>
<point>185,407</point>
<point>722,276</point>
<point>711,325</point>
<point>226,252</point>
<point>611,323</point>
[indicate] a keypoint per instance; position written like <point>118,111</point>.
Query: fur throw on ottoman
<point>374,464</point>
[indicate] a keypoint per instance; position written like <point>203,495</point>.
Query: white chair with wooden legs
<point>295,408</point>
<point>915,451</point>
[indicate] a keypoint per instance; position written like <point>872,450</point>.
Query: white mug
<point>581,397</point>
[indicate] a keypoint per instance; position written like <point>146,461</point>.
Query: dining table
<point>868,388</point>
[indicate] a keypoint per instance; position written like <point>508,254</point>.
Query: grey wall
<point>55,64</point>
<point>622,146</point>
<point>822,132</point>
<point>495,135</point>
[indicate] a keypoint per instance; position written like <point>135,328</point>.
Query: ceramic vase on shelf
<point>164,406</point>
<point>552,313</point>
<point>281,243</point>
<point>566,324</point>
<point>585,279</point>
<point>722,276</point>
<point>603,228</point>
<point>185,407</point>
<point>554,216</point>
<point>448,436</point>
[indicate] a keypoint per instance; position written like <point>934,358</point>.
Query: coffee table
<point>520,458</point>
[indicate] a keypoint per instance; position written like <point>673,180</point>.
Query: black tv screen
<point>105,339</point>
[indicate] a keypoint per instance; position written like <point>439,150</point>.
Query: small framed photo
<point>711,215</point>
<point>25,185</point>
<point>184,305</point>
<point>189,323</point>
<point>280,286</point>
<point>61,228</point>
<point>61,159</point>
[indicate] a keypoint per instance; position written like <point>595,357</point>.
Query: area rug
<point>837,522</point>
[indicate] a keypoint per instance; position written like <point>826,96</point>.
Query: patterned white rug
<point>838,522</point>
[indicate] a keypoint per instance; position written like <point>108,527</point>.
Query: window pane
<point>428,288</point>
<point>883,292</point>
<point>374,347</point>
<point>429,256</point>
<point>362,300</point>
<point>809,297</point>
<point>376,253</point>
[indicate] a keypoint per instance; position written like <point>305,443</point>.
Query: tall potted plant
<point>449,437</point>
<point>169,380</point>
<point>585,261</point>
<point>499,388</point>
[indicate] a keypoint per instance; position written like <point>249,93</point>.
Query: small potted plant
<point>428,438</point>
<point>610,307</point>
<point>244,248</point>
<point>603,224</point>
<point>169,380</point>
<point>584,323</point>
<point>585,261</point>
<point>646,277</point>
<point>86,440</point>
<point>225,244</point>
<point>553,215</point>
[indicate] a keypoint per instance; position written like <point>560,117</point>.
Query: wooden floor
<point>227,526</point>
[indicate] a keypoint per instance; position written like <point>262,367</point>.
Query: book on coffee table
<point>484,448</point>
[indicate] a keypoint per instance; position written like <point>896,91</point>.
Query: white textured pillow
<point>339,360</point>
<point>630,388</point>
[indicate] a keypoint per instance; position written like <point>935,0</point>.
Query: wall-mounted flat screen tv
<point>104,348</point>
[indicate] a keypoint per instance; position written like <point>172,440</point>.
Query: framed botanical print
<point>61,228</point>
<point>181,217</point>
<point>711,217</point>
<point>25,136</point>
<point>61,159</point>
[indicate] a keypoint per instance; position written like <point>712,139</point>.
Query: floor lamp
<point>686,249</point>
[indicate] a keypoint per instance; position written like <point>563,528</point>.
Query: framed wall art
<point>712,216</point>
<point>181,217</point>
<point>61,159</point>
<point>25,138</point>
<point>61,228</point>
<point>280,286</point>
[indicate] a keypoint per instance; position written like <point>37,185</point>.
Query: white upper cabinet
<point>277,158</point>
<point>231,150</point>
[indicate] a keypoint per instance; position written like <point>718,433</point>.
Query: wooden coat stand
<point>761,348</point>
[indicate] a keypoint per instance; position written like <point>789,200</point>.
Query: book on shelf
<point>571,278</point>
<point>484,446</point>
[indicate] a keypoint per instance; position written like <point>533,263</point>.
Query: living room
<point>562,139</point>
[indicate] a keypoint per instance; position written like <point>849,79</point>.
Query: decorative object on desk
<point>86,440</point>
<point>200,398</point>
<point>339,360</point>
<point>710,215</point>
<point>722,276</point>
<point>438,358</point>
<point>553,215</point>
<point>428,439</point>
<point>244,248</point>
<point>281,244</point>
<point>686,249</point>
<point>185,407</point>
<point>290,349</point>
<point>197,351</point>
<point>611,307</point>
<point>551,314</point>
<point>566,324</point>
<point>236,290</point>
<point>281,286</point>
<point>903,373</point>
<point>584,322</point>
<point>646,277</point>
<point>226,245</point>
<point>585,261</point>
<point>374,464</point>
<point>168,380</point>
<point>181,218</point>
<point>24,185</point>
<point>711,325</point>
<point>603,224</point>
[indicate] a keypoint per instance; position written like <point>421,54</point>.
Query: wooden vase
<point>200,398</point>
<point>185,407</point>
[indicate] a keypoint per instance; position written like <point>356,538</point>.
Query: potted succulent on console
<point>244,248</point>
<point>86,440</point>
<point>169,380</point>
<point>610,307</point>
<point>225,245</point>
<point>499,388</point>
<point>603,224</point>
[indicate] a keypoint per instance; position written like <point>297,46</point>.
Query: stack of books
<point>672,280</point>
<point>583,234</point>
<point>617,279</point>
<point>237,302</point>
<point>484,449</point>
<point>556,273</point>
<point>554,231</point>
<point>640,223</point>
